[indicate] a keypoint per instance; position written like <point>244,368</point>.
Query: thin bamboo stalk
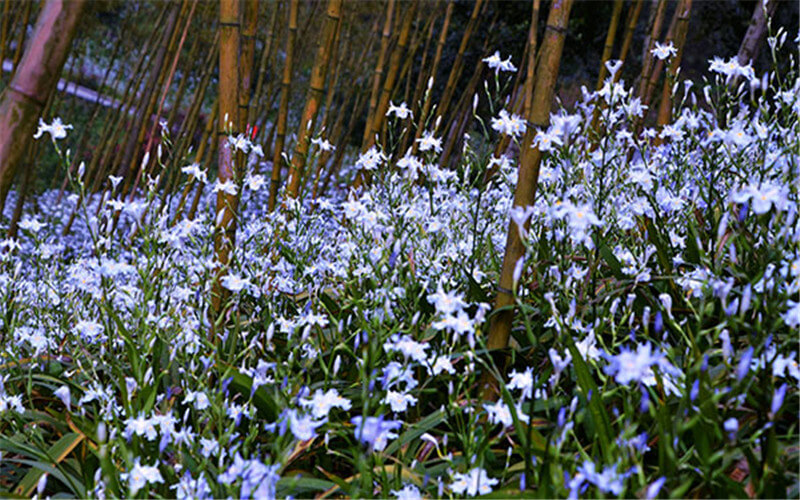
<point>683,12</point>
<point>4,31</point>
<point>426,106</point>
<point>419,86</point>
<point>647,64</point>
<point>524,193</point>
<point>313,98</point>
<point>391,76</point>
<point>632,21</point>
<point>455,72</point>
<point>227,203</point>
<point>137,128</point>
<point>198,158</point>
<point>247,54</point>
<point>609,45</point>
<point>269,43</point>
<point>166,87</point>
<point>378,73</point>
<point>283,109</point>
<point>23,30</point>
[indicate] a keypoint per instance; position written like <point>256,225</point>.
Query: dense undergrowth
<point>655,352</point>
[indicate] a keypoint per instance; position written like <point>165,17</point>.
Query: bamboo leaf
<point>598,412</point>
<point>57,453</point>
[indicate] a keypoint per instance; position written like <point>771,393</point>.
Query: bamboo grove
<point>399,61</point>
<point>248,88</point>
<point>188,104</point>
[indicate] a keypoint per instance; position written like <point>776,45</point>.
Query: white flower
<point>323,144</point>
<point>31,225</point>
<point>140,475</point>
<point>234,283</point>
<point>509,124</point>
<point>547,141</point>
<point>370,160</point>
<point>322,402</point>
<point>664,51</point>
<point>494,62</point>
<point>90,331</point>
<point>63,394</point>
<point>428,142</point>
<point>409,492</point>
<point>399,401</point>
<point>227,187</point>
<point>402,111</point>
<point>474,482</point>
<point>239,143</point>
<point>254,182</point>
<point>195,171</point>
<point>57,129</point>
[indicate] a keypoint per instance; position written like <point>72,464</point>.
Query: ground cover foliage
<point>654,354</point>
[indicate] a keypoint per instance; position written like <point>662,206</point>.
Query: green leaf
<point>262,400</point>
<point>56,454</point>
<point>598,412</point>
<point>611,260</point>
<point>416,431</point>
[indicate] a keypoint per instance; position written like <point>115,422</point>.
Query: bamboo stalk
<point>748,50</point>
<point>426,106</point>
<point>378,73</point>
<point>391,76</point>
<point>655,74</point>
<point>683,12</point>
<point>227,204</point>
<point>526,100</point>
<point>190,122</point>
<point>609,45</point>
<point>4,32</point>
<point>166,87</point>
<point>455,72</point>
<point>338,135</point>
<point>137,128</point>
<point>26,17</point>
<point>524,193</point>
<point>419,86</point>
<point>632,21</point>
<point>198,158</point>
<point>658,19</point>
<point>94,114</point>
<point>269,42</point>
<point>101,163</point>
<point>313,98</point>
<point>23,100</point>
<point>247,54</point>
<point>358,109</point>
<point>283,108</point>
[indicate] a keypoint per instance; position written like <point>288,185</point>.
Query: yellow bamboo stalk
<point>313,99</point>
<point>378,73</point>
<point>283,109</point>
<point>455,72</point>
<point>198,158</point>
<point>23,100</point>
<point>426,106</point>
<point>530,159</point>
<point>166,87</point>
<point>631,23</point>
<point>225,213</point>
<point>246,59</point>
<point>391,75</point>
<point>609,45</point>
<point>684,10</point>
<point>269,42</point>
<point>647,65</point>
